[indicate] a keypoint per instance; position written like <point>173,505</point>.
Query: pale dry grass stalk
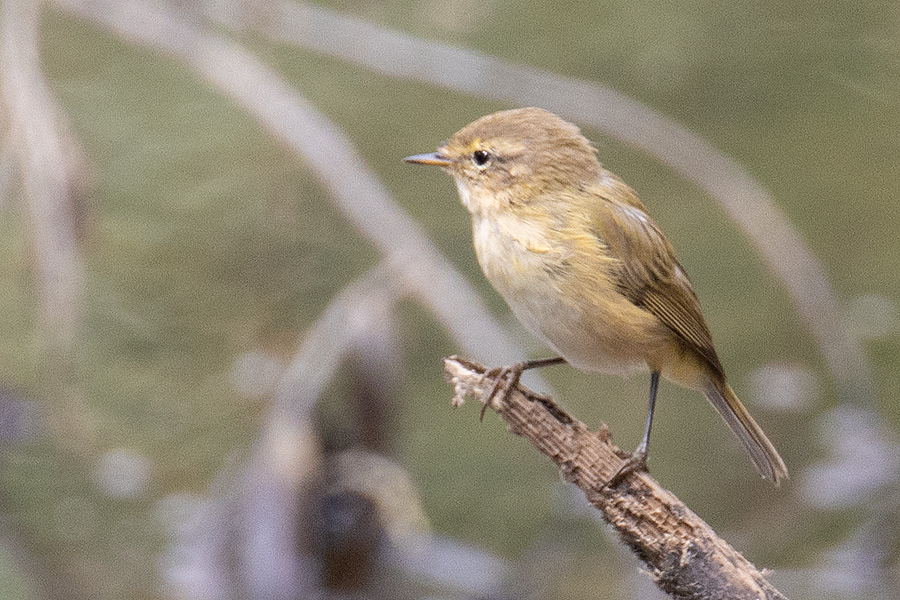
<point>48,160</point>
<point>38,138</point>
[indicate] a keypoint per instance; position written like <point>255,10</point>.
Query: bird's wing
<point>648,274</point>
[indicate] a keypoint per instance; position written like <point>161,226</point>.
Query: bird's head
<point>510,157</point>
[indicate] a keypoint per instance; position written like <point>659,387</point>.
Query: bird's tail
<point>763,454</point>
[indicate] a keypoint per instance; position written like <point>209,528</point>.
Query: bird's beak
<point>430,158</point>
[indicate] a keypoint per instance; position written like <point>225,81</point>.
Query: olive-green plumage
<point>580,262</point>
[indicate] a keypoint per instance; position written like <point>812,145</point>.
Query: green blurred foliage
<point>207,239</point>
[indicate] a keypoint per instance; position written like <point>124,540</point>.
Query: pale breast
<point>583,318</point>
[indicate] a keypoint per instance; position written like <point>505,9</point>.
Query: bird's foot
<point>505,379</point>
<point>635,463</point>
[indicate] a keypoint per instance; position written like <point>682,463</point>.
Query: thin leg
<point>507,378</point>
<point>638,459</point>
<point>654,385</point>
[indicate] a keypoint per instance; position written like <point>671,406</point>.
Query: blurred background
<point>224,298</point>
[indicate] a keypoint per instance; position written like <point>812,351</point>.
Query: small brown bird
<point>572,250</point>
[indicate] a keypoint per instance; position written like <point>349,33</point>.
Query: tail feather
<point>763,454</point>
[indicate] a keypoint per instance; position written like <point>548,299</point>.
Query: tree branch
<point>683,554</point>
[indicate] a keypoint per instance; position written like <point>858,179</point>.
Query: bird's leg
<point>638,459</point>
<point>507,378</point>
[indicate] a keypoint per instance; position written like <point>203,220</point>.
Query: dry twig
<point>683,554</point>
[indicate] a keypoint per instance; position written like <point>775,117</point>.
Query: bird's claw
<point>635,463</point>
<point>505,378</point>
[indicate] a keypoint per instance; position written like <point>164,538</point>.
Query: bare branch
<point>396,54</point>
<point>38,135</point>
<point>256,510</point>
<point>55,182</point>
<point>684,555</point>
<point>287,457</point>
<point>266,501</point>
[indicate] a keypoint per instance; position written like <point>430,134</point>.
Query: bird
<point>583,266</point>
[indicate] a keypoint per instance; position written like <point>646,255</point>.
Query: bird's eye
<point>481,157</point>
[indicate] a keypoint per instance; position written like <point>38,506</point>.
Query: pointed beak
<point>430,158</point>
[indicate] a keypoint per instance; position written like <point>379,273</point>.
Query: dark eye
<point>481,157</point>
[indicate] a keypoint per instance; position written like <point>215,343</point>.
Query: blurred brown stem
<point>683,554</point>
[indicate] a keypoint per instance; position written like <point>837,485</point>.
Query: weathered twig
<point>683,554</point>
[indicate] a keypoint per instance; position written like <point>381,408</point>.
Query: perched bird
<point>575,254</point>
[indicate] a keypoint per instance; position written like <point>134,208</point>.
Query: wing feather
<point>648,272</point>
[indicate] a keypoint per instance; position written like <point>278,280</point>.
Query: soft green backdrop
<point>207,240</point>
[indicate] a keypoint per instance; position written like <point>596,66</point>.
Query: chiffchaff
<point>572,250</point>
